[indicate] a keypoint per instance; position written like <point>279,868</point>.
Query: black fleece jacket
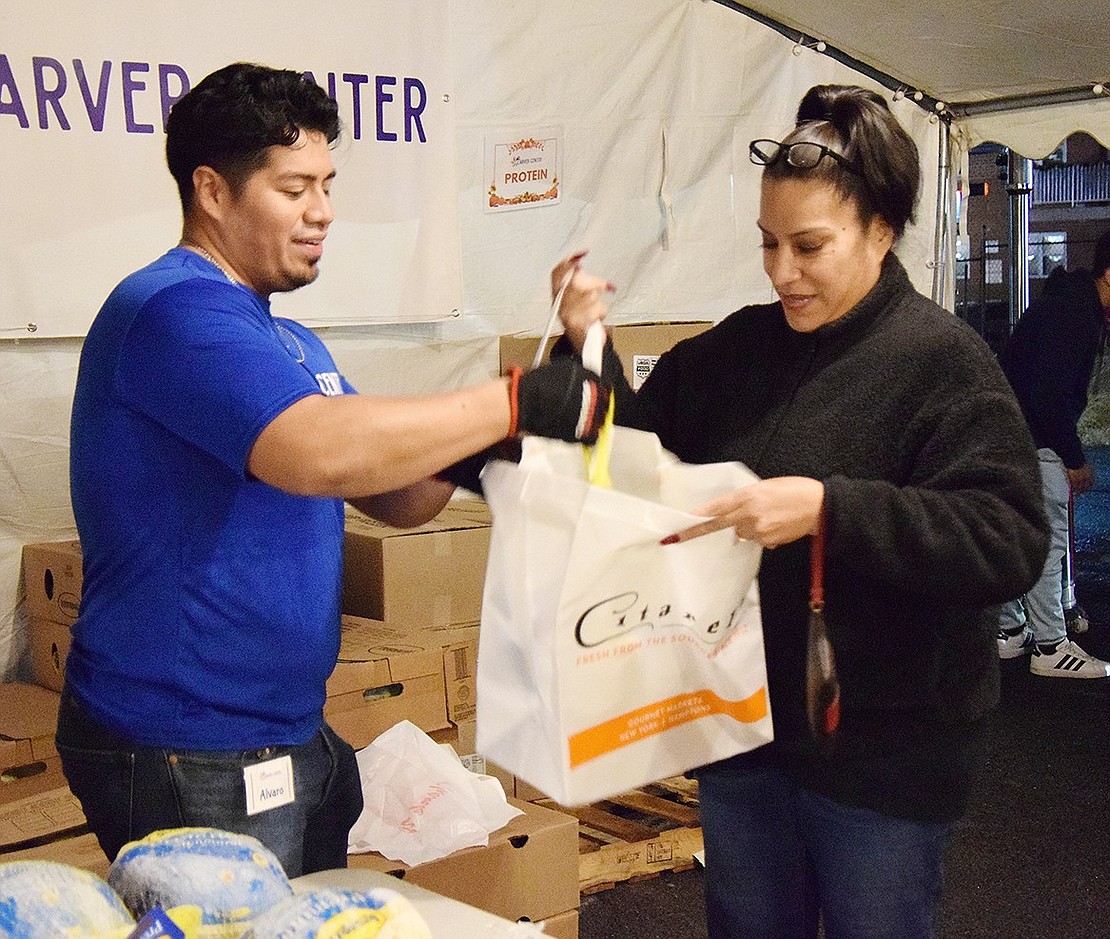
<point>1049,358</point>
<point>934,515</point>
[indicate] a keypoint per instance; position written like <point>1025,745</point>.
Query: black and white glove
<point>562,399</point>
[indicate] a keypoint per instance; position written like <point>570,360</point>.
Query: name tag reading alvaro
<point>269,784</point>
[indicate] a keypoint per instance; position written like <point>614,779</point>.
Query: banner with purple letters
<point>86,198</point>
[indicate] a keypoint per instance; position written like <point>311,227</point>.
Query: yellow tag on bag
<point>597,454</point>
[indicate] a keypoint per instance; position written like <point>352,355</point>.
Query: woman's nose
<point>780,266</point>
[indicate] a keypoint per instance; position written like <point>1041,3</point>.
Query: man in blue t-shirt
<point>213,445</point>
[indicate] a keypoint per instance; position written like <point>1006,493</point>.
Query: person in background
<point>212,447</point>
<point>1048,361</point>
<point>882,425</point>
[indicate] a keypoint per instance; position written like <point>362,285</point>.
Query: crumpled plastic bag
<point>420,802</point>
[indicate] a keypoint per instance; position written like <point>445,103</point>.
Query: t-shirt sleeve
<point>204,362</point>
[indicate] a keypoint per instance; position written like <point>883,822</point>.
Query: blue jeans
<point>780,858</point>
<point>128,791</point>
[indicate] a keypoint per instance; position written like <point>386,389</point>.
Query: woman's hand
<point>771,512</point>
<point>1081,480</point>
<point>582,305</point>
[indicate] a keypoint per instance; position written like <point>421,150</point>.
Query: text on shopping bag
<point>644,722</point>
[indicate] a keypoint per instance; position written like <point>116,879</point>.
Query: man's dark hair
<point>232,116</point>
<point>1102,255</point>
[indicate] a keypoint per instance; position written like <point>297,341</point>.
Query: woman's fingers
<point>770,512</point>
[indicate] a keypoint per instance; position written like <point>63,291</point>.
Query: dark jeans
<point>128,791</point>
<point>779,858</point>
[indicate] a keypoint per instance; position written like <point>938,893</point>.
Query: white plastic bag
<point>607,660</point>
<point>420,802</point>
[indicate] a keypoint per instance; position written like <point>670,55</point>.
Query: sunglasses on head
<point>801,154</point>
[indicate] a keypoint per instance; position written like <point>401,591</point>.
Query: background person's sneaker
<point>1067,660</point>
<point>1011,645</point>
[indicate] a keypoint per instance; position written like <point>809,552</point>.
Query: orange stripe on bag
<point>655,718</point>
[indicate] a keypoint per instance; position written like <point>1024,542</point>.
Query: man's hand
<point>771,512</point>
<point>562,399</point>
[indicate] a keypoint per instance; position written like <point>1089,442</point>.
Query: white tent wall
<point>1007,74</point>
<point>1036,132</point>
<point>655,101</point>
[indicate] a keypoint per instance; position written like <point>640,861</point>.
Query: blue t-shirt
<point>210,610</point>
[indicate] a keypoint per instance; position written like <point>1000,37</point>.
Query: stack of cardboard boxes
<point>35,803</point>
<point>412,600</point>
<point>409,648</point>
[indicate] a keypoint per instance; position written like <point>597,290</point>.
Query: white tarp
<point>976,55</point>
<point>653,102</point>
<point>84,91</point>
<point>1036,132</point>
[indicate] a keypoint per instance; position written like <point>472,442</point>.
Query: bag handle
<point>597,455</point>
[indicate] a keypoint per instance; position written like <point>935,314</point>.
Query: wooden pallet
<point>638,834</point>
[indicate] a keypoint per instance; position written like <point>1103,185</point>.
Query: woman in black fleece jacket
<point>858,400</point>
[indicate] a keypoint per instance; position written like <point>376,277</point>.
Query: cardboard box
<point>639,346</point>
<point>49,645</point>
<point>81,851</point>
<point>477,763</point>
<point>460,670</point>
<point>448,735</point>
<point>466,741</point>
<point>513,785</point>
<point>28,719</point>
<point>384,675</point>
<point>52,580</point>
<point>526,792</point>
<point>466,747</point>
<point>35,803</point>
<point>431,575</point>
<point>562,926</point>
<point>528,871</point>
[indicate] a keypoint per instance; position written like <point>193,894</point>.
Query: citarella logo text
<point>615,616</point>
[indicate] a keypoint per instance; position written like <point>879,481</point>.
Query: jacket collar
<point>893,282</point>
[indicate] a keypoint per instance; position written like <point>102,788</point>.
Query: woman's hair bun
<point>883,171</point>
<point>840,105</point>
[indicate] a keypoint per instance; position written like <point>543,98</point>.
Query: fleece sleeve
<point>967,525</point>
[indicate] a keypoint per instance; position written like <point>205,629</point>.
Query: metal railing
<point>1073,184</point>
<point>982,300</point>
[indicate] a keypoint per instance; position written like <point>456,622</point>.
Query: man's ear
<point>210,191</point>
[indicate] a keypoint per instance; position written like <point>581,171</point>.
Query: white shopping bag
<point>607,660</point>
<point>420,802</point>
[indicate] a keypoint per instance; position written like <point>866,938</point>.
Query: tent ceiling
<point>968,54</point>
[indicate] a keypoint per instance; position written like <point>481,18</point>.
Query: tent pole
<point>961,109</point>
<point>942,248</point>
<point>1019,187</point>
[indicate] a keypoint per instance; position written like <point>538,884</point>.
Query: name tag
<point>269,784</point>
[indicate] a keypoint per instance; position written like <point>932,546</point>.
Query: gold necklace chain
<point>211,260</point>
<point>282,332</point>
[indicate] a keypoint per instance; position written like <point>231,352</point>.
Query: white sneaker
<point>1013,645</point>
<point>1067,660</point>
